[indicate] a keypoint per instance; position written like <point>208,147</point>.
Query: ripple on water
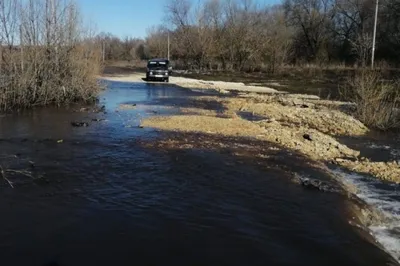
<point>385,197</point>
<point>110,201</point>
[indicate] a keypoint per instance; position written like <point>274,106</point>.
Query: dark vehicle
<point>158,69</point>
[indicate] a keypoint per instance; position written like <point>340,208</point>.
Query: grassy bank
<point>46,63</point>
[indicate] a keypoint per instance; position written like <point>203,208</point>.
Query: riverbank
<point>127,187</point>
<point>300,122</point>
<point>296,123</point>
<point>308,130</point>
<point>311,130</point>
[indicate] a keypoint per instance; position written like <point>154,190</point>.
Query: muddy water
<point>94,196</point>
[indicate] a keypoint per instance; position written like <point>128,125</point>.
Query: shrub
<point>376,99</point>
<point>47,59</point>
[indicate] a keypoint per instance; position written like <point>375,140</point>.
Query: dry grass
<point>43,81</point>
<point>52,63</point>
<point>377,101</point>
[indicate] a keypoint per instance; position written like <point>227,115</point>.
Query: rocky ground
<point>307,127</point>
<point>299,123</point>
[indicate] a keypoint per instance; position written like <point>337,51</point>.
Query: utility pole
<point>21,44</point>
<point>168,46</point>
<point>374,37</point>
<point>103,50</point>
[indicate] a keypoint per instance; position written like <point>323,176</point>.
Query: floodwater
<point>328,86</point>
<point>95,196</point>
<point>378,146</point>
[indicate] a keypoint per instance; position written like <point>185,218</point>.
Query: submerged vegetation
<point>46,55</point>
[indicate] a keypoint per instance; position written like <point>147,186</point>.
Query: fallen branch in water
<point>22,172</point>
<point>4,177</point>
<point>8,156</point>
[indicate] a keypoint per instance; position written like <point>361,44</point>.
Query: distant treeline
<point>243,35</point>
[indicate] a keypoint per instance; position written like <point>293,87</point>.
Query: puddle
<point>250,116</point>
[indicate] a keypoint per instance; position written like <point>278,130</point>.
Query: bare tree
<point>311,17</point>
<point>353,25</point>
<point>244,35</point>
<point>48,58</point>
<point>389,31</point>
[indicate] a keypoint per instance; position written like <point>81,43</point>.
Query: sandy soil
<point>219,86</point>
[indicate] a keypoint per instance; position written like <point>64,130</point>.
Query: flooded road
<point>95,196</point>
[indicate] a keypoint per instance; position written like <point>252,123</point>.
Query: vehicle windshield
<point>158,64</point>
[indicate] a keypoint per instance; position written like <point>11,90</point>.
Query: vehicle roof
<point>158,60</point>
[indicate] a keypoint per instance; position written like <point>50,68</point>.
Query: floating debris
<point>315,184</point>
<point>79,124</point>
<point>127,106</point>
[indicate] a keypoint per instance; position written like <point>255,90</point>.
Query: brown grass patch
<point>376,100</point>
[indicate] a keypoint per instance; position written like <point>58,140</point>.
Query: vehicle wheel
<point>167,80</point>
<point>147,78</point>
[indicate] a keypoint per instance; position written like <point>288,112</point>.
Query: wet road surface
<point>94,196</point>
